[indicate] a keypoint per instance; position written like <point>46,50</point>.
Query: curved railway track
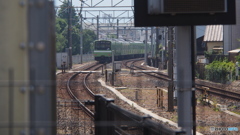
<point>212,90</point>
<point>88,90</point>
<point>153,74</point>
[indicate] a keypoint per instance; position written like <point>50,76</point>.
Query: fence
<point>85,58</point>
<point>111,119</point>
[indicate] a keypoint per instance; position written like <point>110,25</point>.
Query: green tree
<point>64,12</point>
<point>62,32</point>
<point>88,37</point>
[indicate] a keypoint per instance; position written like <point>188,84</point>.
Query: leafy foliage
<point>237,58</point>
<point>207,54</point>
<point>219,71</point>
<point>64,13</point>
<point>62,32</point>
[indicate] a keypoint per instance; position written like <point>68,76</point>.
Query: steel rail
<point>82,106</point>
<point>213,90</point>
<point>220,92</point>
<point>85,82</point>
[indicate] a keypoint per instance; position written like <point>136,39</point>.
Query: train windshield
<point>102,45</point>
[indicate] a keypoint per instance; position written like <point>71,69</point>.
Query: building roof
<point>213,33</point>
<point>234,51</point>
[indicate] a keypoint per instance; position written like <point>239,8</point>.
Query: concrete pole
<point>70,32</point>
<point>151,41</point>
<point>162,41</point>
<point>146,37</point>
<point>113,68</point>
<point>184,78</point>
<point>157,42</point>
<point>97,27</point>
<point>81,39</point>
<point>170,68</point>
<point>117,28</point>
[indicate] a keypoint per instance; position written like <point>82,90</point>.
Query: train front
<point>102,51</point>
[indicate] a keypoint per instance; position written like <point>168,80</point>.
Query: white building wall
<point>231,33</point>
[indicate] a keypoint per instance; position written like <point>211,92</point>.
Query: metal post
<point>157,46</point>
<point>106,74</point>
<point>193,56</point>
<point>70,32</point>
<point>97,27</point>
<point>162,57</point>
<point>170,69</point>
<point>184,78</point>
<point>146,39</point>
<point>151,42</point>
<point>117,28</point>
<point>81,39</point>
<point>102,71</point>
<point>113,68</point>
<point>236,70</point>
<point>41,38</point>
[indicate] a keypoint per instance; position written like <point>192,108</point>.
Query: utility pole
<point>151,42</point>
<point>81,38</point>
<point>97,27</point>
<point>146,37</point>
<point>157,46</point>
<point>70,32</point>
<point>117,28</point>
<point>193,56</point>
<point>170,69</point>
<point>184,78</point>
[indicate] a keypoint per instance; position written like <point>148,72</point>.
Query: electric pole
<point>170,69</point>
<point>81,38</point>
<point>70,32</point>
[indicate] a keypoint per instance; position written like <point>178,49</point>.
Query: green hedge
<point>220,71</point>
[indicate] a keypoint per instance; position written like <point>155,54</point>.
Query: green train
<point>103,50</point>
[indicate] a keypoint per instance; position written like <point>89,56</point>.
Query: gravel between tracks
<point>141,89</point>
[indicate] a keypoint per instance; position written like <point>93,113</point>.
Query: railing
<point>111,119</point>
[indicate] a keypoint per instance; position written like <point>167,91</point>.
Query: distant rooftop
<point>234,51</point>
<point>213,33</point>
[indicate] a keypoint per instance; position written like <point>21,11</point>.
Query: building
<point>213,39</point>
<point>232,33</point>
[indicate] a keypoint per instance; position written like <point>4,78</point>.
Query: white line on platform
<point>135,105</point>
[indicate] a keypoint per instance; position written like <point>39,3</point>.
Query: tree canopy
<point>62,31</point>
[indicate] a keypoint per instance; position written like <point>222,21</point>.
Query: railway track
<point>219,92</point>
<point>212,90</point>
<point>81,104</point>
<point>153,74</point>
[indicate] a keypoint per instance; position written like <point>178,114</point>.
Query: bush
<point>219,71</point>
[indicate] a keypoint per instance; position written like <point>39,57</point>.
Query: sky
<point>102,2</point>
<point>77,3</point>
